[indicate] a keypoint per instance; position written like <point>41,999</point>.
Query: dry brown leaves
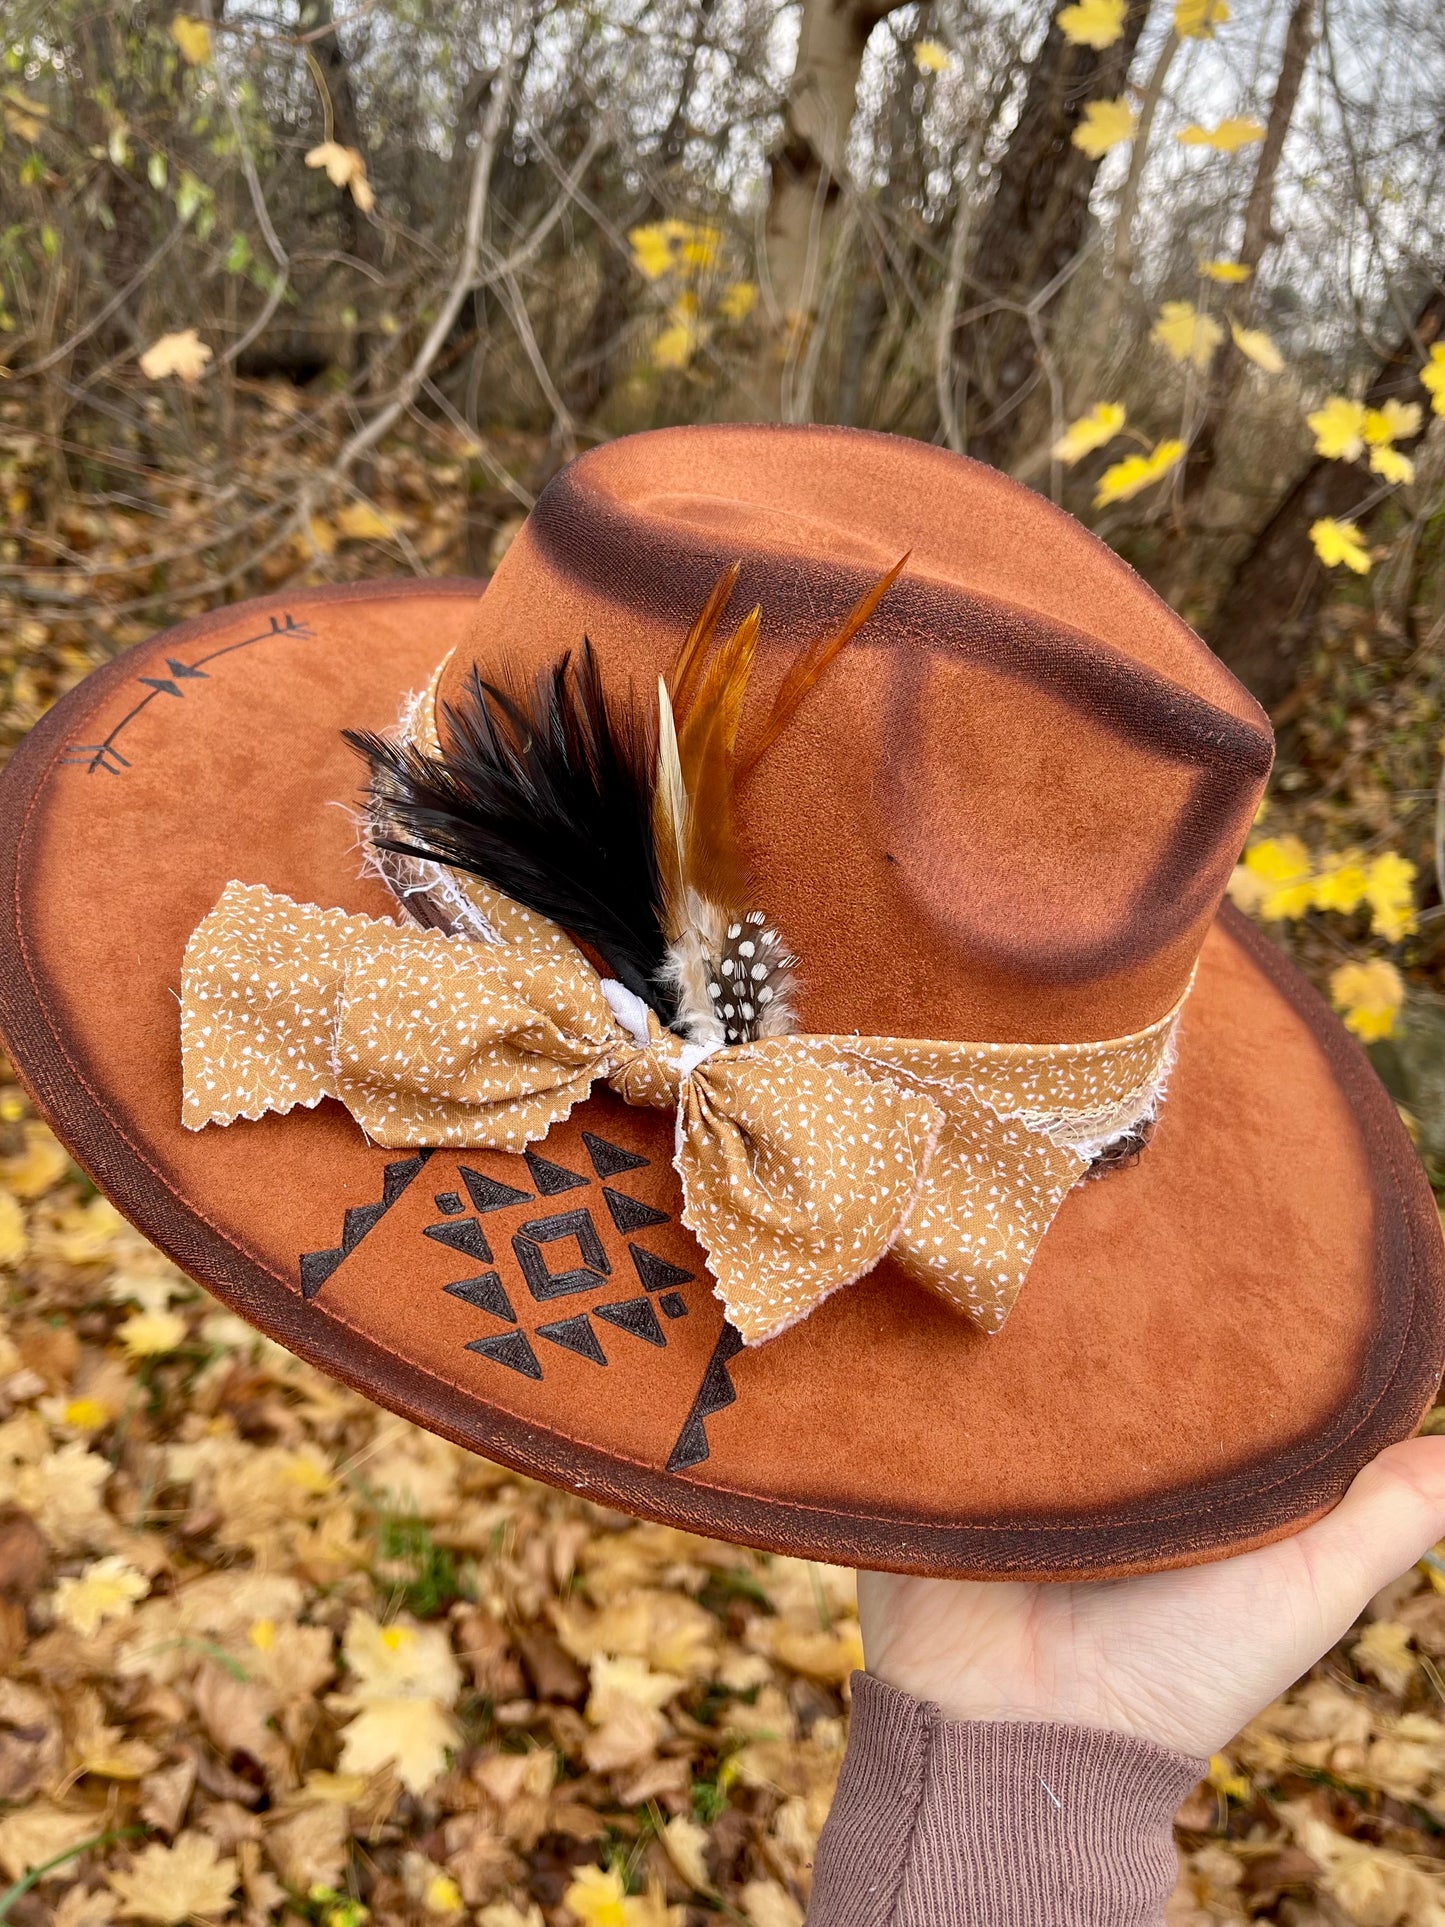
<point>269,1654</point>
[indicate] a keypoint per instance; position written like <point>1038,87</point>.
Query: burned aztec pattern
<point>556,1255</point>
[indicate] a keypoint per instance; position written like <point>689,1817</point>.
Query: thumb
<point>1394,1512</point>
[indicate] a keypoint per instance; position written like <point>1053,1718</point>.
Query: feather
<point>694,650</point>
<point>811,664</point>
<point>547,793</point>
<point>624,836</point>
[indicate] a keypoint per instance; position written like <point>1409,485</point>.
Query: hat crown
<point>1009,810</point>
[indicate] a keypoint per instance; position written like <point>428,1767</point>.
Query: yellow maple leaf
<point>413,1735</point>
<point>345,167</point>
<point>1392,421</point>
<point>14,1238</point>
<point>931,57</point>
<point>171,1884</point>
<point>1230,272</point>
<point>107,1589</point>
<point>1106,124</point>
<point>1392,465</point>
<point>1340,542</point>
<point>193,37</point>
<point>360,522</point>
<point>1197,19</point>
<point>1255,345</point>
<point>1384,1651</point>
<point>598,1898</point>
<point>1341,883</point>
<point>1088,432</point>
<point>738,300</point>
<point>1136,472</point>
<point>39,1167</point>
<point>1225,1780</point>
<point>1368,996</point>
<point>442,1895</point>
<point>652,249</point>
<point>39,1832</point>
<point>1093,23</point>
<point>1283,870</point>
<point>1227,138</point>
<point>1390,893</point>
<point>146,1334</point>
<point>674,348</point>
<point>183,354</point>
<point>1339,429</point>
<point>400,1661</point>
<point>1432,378</point>
<point>1186,334</point>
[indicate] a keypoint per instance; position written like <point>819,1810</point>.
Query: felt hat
<point>1027,1043</point>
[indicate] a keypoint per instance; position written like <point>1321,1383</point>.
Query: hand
<point>1184,1658</point>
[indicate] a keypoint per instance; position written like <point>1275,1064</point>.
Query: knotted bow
<point>802,1159</point>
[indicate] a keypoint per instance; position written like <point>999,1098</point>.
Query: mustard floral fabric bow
<point>802,1159</point>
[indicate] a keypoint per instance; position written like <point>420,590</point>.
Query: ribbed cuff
<point>981,1823</point>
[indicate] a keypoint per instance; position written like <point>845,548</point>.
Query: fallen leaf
<point>183,354</point>
<point>42,1165</point>
<point>149,1334</point>
<point>170,1884</point>
<point>34,1834</point>
<point>107,1589</point>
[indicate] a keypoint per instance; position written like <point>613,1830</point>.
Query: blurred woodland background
<point>312,289</point>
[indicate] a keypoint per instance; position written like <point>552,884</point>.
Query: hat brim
<point>1209,1345</point>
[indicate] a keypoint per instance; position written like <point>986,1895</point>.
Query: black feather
<point>546,793</point>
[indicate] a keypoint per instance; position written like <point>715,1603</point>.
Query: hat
<point>754,1036</point>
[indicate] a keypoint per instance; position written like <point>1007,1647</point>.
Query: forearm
<point>952,1823</point>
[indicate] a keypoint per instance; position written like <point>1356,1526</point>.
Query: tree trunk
<point>1227,366</point>
<point>1264,626</point>
<point>1036,222</point>
<point>808,166</point>
<point>332,73</point>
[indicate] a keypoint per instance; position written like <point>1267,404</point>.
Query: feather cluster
<point>622,832</point>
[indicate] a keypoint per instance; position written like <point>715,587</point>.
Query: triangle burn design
<point>551,1178</point>
<point>633,1315</point>
<point>490,1194</point>
<point>486,1292</point>
<point>716,1391</point>
<point>575,1335</point>
<point>631,1214</point>
<point>464,1235</point>
<point>510,1349</point>
<point>656,1274</point>
<point>610,1159</point>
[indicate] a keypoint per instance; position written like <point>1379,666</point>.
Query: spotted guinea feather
<point>545,791</point>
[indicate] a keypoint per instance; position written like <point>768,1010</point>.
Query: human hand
<point>1183,1658</point>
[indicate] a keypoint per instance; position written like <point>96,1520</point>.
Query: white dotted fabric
<point>803,1160</point>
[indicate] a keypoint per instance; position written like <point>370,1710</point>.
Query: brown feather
<point>811,664</point>
<point>707,752</point>
<point>690,656</point>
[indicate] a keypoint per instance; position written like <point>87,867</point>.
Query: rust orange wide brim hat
<point>1005,816</point>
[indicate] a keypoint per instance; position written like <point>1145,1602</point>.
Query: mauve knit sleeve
<point>978,1823</point>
